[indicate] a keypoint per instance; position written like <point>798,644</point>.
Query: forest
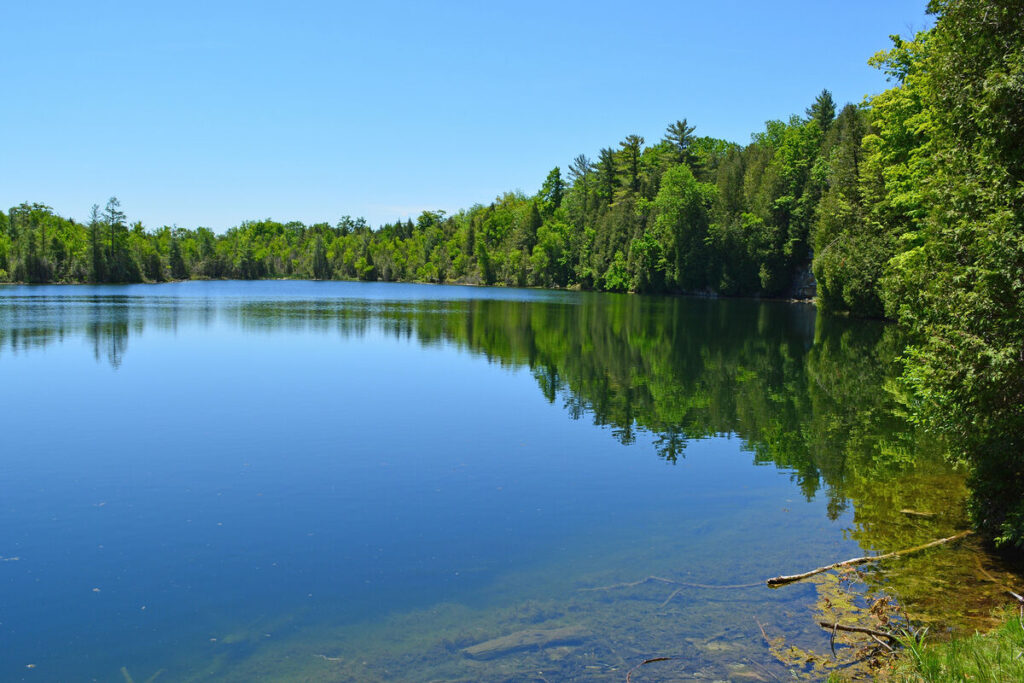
<point>907,206</point>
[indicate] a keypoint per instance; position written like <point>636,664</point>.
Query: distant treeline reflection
<point>801,390</point>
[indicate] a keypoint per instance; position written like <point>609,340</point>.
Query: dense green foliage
<point>923,221</point>
<point>954,205</point>
<point>910,206</point>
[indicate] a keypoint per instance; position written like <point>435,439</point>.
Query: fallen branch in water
<point>628,585</point>
<point>629,674</point>
<point>329,659</point>
<point>876,635</point>
<point>669,598</point>
<point>858,629</point>
<point>1017,596</point>
<point>783,580</point>
<point>760,626</point>
<point>881,642</point>
<point>671,582</point>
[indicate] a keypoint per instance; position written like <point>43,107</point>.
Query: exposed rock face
<point>804,285</point>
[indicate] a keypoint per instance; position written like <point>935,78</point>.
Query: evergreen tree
<point>850,252</point>
<point>958,283</point>
<point>606,178</point>
<point>114,219</point>
<point>552,191</point>
<point>579,173</point>
<point>680,136</point>
<point>631,149</point>
<point>823,110</point>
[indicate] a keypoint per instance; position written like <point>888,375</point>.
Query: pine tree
<point>580,172</point>
<point>606,179</point>
<point>680,136</point>
<point>114,219</point>
<point>823,110</point>
<point>629,161</point>
<point>552,191</point>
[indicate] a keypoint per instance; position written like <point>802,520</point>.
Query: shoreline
<point>689,295</point>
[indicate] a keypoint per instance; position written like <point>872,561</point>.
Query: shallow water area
<point>350,481</point>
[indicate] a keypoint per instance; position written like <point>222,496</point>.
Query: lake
<point>327,481</point>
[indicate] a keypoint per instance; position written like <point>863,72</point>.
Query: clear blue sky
<point>210,113</point>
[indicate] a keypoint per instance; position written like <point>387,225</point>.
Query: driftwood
<point>521,640</point>
<point>858,629</point>
<point>629,674</point>
<point>783,580</point>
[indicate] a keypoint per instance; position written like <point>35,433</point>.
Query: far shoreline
<point>686,295</point>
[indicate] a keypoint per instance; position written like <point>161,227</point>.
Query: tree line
<point>908,206</point>
<point>686,214</point>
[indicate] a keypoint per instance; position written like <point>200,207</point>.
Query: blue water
<point>184,460</point>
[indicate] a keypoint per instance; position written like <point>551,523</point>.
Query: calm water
<point>344,481</point>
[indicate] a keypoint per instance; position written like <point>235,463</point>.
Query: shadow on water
<point>815,397</point>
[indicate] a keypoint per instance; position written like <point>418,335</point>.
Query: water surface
<point>351,481</point>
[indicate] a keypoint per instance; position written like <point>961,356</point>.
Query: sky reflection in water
<point>245,465</point>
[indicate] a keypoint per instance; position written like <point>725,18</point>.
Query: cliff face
<point>804,285</point>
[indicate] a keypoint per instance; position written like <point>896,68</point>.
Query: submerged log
<point>521,640</point>
<point>783,580</point>
<point>916,513</point>
<point>1017,596</point>
<point>858,629</point>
